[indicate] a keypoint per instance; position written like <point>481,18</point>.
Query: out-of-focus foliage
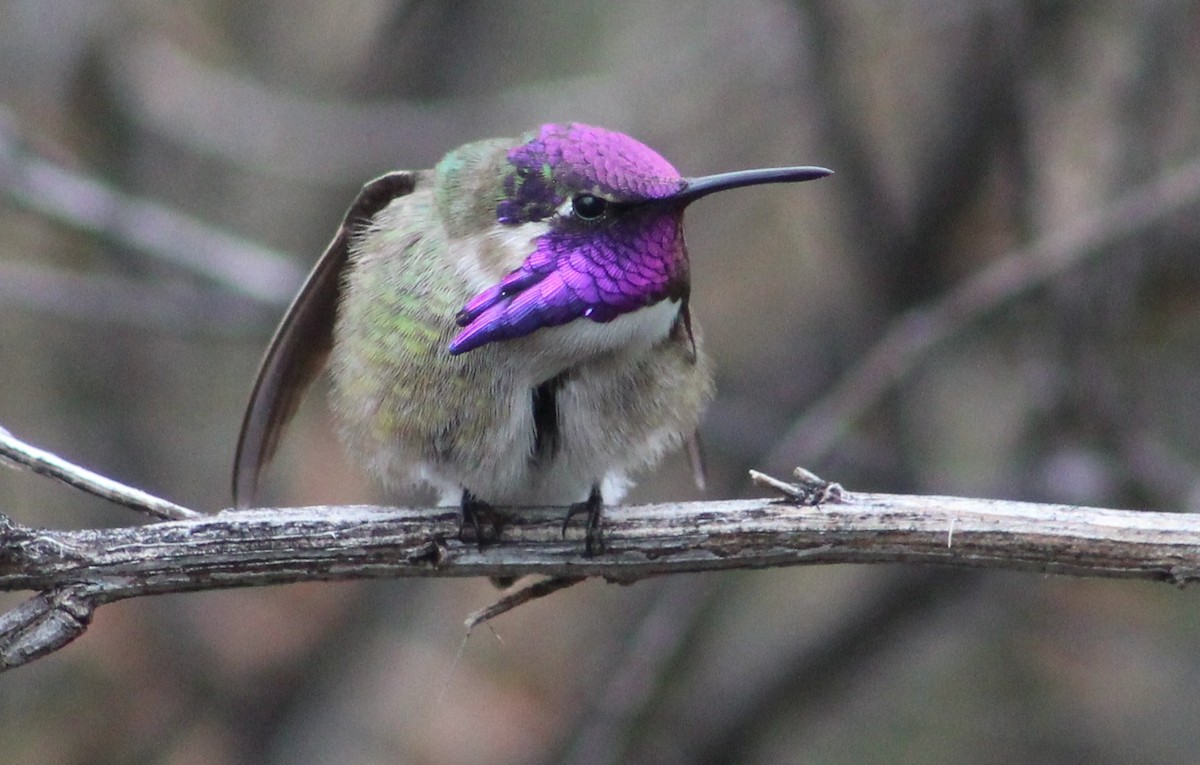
<point>959,131</point>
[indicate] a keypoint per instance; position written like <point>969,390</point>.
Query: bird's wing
<point>695,447</point>
<point>695,453</point>
<point>302,343</point>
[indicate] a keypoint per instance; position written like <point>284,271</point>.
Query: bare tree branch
<point>88,204</point>
<point>44,623</point>
<point>919,331</point>
<point>149,74</point>
<point>520,597</point>
<point>177,307</point>
<point>77,570</point>
<point>44,463</point>
<point>608,732</point>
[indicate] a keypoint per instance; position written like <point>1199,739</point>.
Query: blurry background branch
<point>150,72</point>
<point>77,200</point>
<point>917,332</point>
<point>963,135</point>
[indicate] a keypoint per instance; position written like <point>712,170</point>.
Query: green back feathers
<point>469,184</point>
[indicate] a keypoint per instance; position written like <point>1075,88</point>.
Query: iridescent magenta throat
<point>582,270</point>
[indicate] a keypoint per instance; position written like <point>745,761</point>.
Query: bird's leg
<point>594,507</point>
<point>474,513</point>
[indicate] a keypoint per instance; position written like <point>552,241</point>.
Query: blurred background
<point>169,171</point>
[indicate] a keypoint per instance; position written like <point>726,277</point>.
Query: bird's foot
<point>479,519</point>
<point>593,507</point>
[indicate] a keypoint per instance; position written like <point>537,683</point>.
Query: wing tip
<point>695,452</point>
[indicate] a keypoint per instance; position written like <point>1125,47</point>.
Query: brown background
<point>959,131</point>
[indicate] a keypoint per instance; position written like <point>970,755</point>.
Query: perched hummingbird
<point>510,327</point>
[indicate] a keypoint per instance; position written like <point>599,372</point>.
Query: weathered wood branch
<point>282,545</point>
<point>42,462</point>
<point>75,571</point>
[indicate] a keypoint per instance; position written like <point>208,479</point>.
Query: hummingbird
<point>511,327</point>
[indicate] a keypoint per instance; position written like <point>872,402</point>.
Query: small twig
<point>511,600</point>
<point>50,465</point>
<point>811,489</point>
<point>43,624</point>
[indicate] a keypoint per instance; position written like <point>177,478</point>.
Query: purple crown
<point>629,257</point>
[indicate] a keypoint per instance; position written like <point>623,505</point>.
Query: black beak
<point>695,188</point>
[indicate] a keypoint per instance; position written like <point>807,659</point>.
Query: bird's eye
<point>589,206</point>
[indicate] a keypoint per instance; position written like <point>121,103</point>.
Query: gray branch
<point>75,571</point>
<point>23,455</point>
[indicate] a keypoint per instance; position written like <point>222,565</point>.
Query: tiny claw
<point>474,512</point>
<point>593,506</point>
